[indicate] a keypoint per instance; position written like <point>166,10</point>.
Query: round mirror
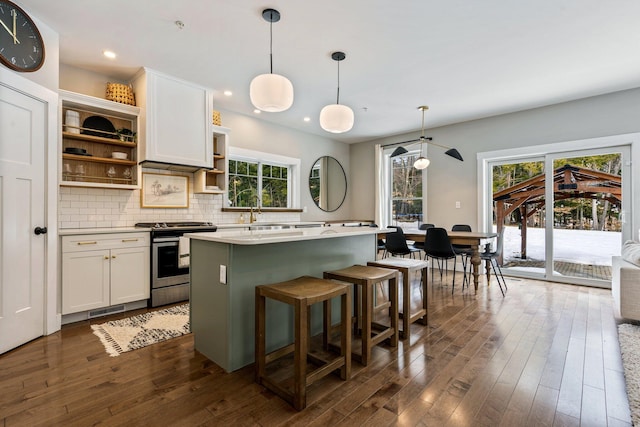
<point>327,183</point>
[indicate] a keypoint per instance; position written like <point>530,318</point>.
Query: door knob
<point>40,230</point>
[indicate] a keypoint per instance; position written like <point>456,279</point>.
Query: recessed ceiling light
<point>307,119</point>
<point>257,111</point>
<point>109,54</point>
<point>228,93</point>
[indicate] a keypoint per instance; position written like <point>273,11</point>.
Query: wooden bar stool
<point>405,266</point>
<point>364,278</point>
<point>301,293</point>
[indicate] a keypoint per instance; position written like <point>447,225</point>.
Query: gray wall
<point>450,180</point>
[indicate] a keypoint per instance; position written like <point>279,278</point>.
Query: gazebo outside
<point>523,204</point>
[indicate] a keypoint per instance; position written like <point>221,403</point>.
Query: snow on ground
<point>580,246</point>
<point>586,246</point>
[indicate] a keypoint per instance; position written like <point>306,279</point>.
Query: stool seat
<point>364,278</point>
<point>405,266</point>
<point>302,293</point>
<point>306,288</point>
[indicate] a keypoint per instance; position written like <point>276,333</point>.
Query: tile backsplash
<point>105,207</point>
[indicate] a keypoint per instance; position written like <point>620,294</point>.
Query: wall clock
<point>21,45</point>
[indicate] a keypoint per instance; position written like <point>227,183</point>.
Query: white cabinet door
<point>129,274</point>
<point>177,121</point>
<point>85,280</point>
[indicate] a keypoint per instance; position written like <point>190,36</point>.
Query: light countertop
<point>270,223</point>
<point>78,231</point>
<point>260,237</point>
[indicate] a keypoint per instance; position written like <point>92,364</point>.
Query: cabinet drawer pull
<point>87,243</point>
<point>129,240</point>
<point>113,256</point>
<point>106,257</point>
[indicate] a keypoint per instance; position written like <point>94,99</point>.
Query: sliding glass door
<point>563,213</point>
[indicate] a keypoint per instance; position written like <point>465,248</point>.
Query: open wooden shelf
<point>98,139</point>
<point>98,159</point>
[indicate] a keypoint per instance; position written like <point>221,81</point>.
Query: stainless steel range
<point>170,281</point>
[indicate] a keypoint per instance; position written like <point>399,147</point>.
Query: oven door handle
<point>165,239</point>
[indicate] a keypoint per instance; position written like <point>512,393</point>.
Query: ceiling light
<point>336,118</point>
<point>228,93</point>
<point>257,111</point>
<point>423,162</point>
<point>271,92</point>
<point>398,151</point>
<point>307,119</point>
<point>109,54</point>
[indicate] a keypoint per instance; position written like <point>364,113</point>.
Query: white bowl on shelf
<point>119,155</point>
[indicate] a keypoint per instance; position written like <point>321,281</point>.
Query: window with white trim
<point>262,180</point>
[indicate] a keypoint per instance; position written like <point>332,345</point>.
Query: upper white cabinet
<point>175,121</point>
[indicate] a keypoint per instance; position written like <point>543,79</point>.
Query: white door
<point>23,131</point>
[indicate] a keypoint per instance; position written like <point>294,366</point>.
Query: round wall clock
<point>21,45</point>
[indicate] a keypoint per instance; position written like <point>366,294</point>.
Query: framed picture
<point>164,191</point>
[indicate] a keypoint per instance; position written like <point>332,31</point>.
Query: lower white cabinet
<point>100,270</point>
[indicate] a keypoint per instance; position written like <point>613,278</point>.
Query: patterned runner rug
<point>629,337</point>
<point>119,336</point>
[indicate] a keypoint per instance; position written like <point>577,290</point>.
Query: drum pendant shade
<point>336,118</point>
<point>271,92</point>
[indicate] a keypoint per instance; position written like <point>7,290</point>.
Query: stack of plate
<point>77,151</point>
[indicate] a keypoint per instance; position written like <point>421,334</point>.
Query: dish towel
<point>183,252</point>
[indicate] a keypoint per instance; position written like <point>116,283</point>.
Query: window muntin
<point>256,183</point>
<point>406,191</point>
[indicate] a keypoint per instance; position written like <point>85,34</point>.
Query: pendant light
<point>336,118</point>
<point>422,161</point>
<point>271,92</point>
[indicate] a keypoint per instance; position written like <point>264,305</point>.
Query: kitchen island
<point>227,266</point>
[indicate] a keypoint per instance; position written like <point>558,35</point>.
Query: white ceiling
<point>465,59</point>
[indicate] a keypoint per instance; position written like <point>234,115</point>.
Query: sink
<point>268,227</point>
<point>269,235</point>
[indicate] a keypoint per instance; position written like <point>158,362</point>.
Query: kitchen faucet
<point>252,216</point>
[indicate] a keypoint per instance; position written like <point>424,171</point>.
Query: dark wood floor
<point>547,354</point>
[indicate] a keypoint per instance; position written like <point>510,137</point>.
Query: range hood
<point>170,166</point>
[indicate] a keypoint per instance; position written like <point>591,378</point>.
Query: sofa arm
<point>625,288</point>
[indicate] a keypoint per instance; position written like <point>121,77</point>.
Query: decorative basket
<point>120,93</point>
<point>216,118</point>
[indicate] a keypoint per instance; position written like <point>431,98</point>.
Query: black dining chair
<point>396,244</point>
<point>492,257</point>
<point>437,245</point>
<point>464,252</point>
<point>423,227</point>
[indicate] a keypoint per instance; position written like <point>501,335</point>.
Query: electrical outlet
<point>457,205</point>
<point>223,274</point>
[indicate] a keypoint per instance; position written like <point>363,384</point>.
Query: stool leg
<point>300,357</point>
<point>367,308</point>
<point>260,337</point>
<point>423,284</point>
<point>345,335</point>
<point>326,324</point>
<point>393,297</point>
<point>406,302</point>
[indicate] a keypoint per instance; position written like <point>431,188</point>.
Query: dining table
<point>475,239</point>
